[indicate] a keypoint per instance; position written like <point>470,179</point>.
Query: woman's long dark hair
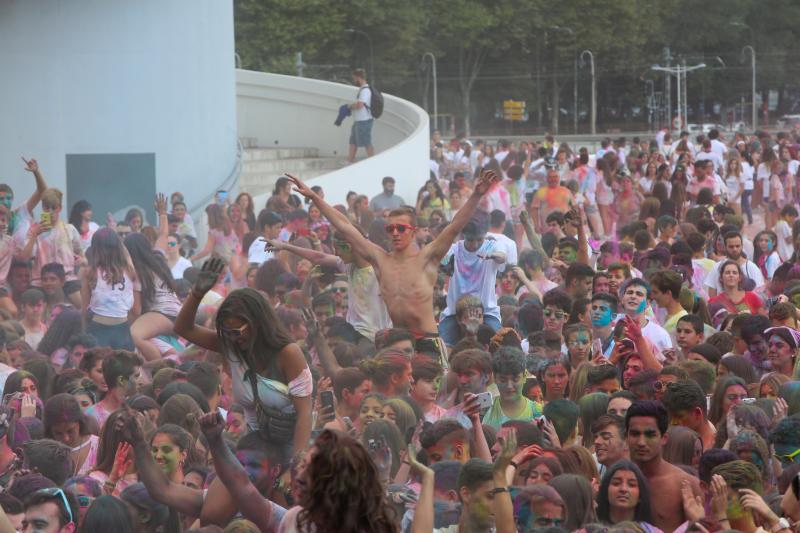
<point>108,513</point>
<point>149,265</point>
<point>268,335</point>
<point>75,214</point>
<point>65,325</point>
<point>642,511</point>
<point>345,493</point>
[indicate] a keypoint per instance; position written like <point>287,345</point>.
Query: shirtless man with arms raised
<point>646,425</point>
<point>408,295</point>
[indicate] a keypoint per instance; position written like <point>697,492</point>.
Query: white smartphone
<point>485,400</point>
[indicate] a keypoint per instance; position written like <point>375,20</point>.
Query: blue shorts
<point>361,133</point>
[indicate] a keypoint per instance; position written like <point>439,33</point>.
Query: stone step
<point>279,166</point>
<point>261,154</point>
<point>257,184</point>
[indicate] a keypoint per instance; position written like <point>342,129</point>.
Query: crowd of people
<point>544,339</point>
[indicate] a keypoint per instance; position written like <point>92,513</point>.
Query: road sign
<point>514,110</point>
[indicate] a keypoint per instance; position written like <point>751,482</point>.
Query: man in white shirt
<point>709,154</point>
<point>635,295</point>
<point>270,224</point>
<point>361,132</point>
<point>476,262</point>
<point>497,224</point>
<point>733,249</point>
<point>503,148</point>
<point>717,146</point>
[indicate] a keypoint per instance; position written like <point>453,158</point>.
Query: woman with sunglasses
<point>261,357</point>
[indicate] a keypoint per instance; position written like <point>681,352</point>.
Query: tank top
<point>165,301</point>
<point>112,300</point>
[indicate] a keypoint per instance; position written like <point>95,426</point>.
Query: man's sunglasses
<point>398,228</point>
<point>558,314</point>
<point>56,492</point>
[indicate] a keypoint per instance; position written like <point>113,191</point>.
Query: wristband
<point>512,463</point>
<point>498,490</point>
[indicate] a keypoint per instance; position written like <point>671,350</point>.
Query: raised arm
<point>423,515</point>
<point>530,233</point>
<point>184,323</point>
<point>180,497</point>
<point>252,504</point>
<point>361,245</point>
<point>316,257</point>
<point>436,250</point>
<point>31,165</point>
<point>163,222</point>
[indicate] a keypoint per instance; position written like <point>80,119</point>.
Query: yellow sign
<point>514,110</point>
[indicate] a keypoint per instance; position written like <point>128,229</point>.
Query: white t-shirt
<point>473,275</point>
<point>180,267</point>
<point>657,335</point>
<point>506,245</point>
<point>257,253</point>
<point>365,97</point>
<point>749,269</point>
<point>718,147</point>
<point>785,244</point>
<point>713,157</point>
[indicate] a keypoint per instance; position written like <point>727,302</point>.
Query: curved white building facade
<point>118,99</point>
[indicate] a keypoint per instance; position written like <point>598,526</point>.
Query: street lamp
<point>574,75</point>
<point>678,71</point>
<point>371,75</point>
<point>753,82</point>
<point>594,90</point>
<point>435,88</point>
<point>752,67</point>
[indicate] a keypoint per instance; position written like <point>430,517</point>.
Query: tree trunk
<point>554,104</point>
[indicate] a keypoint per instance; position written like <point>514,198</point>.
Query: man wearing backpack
<point>361,133</point>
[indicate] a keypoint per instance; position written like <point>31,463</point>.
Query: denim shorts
<point>361,133</point>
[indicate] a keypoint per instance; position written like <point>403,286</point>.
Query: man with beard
<point>733,252</point>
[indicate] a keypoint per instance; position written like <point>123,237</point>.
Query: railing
<point>289,111</point>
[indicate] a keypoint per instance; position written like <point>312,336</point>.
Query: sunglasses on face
<point>84,501</point>
<point>558,314</point>
<point>56,492</point>
<point>339,289</point>
<point>234,333</point>
<point>172,244</point>
<point>662,385</point>
<point>398,228</point>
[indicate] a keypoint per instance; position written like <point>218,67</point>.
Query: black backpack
<point>375,102</point>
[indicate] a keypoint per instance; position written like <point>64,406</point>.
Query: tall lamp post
<point>753,68</point>
<point>680,71</point>
<point>435,88</point>
<point>574,75</point>
<point>594,90</point>
<point>371,74</point>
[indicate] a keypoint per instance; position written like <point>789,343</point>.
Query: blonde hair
<point>52,197</point>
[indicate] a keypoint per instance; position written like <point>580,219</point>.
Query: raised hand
<point>527,453</point>
<point>719,497</point>
<point>27,407</point>
<point>301,187</point>
<point>381,455</point>
<point>161,204</point>
<point>509,448</point>
<point>128,428</point>
<point>416,467</point>
<point>752,501</point>
<point>485,182</point>
<point>122,461</point>
<point>273,245</point>
<point>212,425</point>
<point>692,505</point>
<point>31,165</point>
<point>208,276</point>
<point>632,329</point>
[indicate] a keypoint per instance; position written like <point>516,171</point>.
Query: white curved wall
<point>289,111</point>
<point>115,76</point>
